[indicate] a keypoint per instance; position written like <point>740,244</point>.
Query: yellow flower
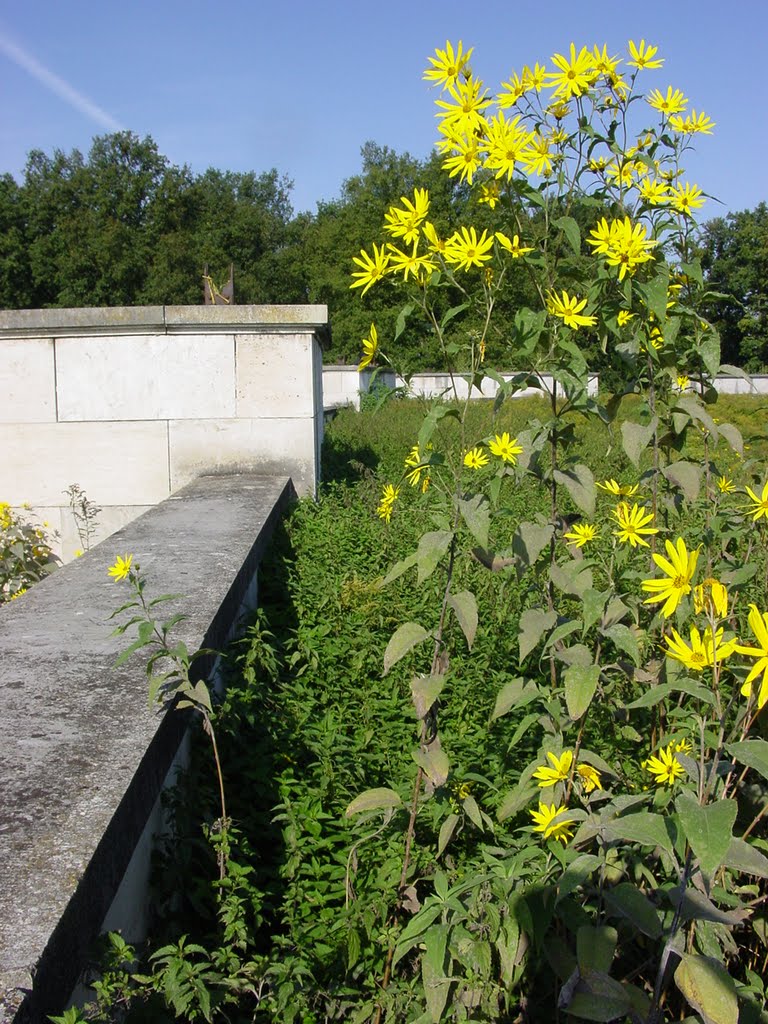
<point>760,505</point>
<point>447,65</point>
<point>388,499</point>
<point>417,467</point>
<point>581,534</point>
<point>569,310</point>
<point>466,159</point>
<point>410,263</point>
<point>758,623</point>
<point>505,447</point>
<point>546,823</point>
<point>685,198</point>
<point>17,594</point>
<point>693,124</point>
<point>725,486</point>
<point>559,772</point>
<point>619,490</point>
<point>373,268</point>
<point>589,777</point>
<point>711,597</point>
<point>683,382</point>
<point>536,157</point>
<point>633,524</point>
<point>642,56</point>
<point>121,568</point>
<point>489,193</point>
<point>405,223</point>
<point>573,76</point>
<point>680,569</point>
<point>684,746</point>
<point>623,245</point>
<point>624,316</point>
<point>512,246</point>
<point>653,191</point>
<point>504,145</point>
<point>673,103</point>
<point>465,250</point>
<point>702,651</point>
<point>370,348</point>
<point>604,64</point>
<point>79,552</point>
<point>466,113</point>
<point>665,768</point>
<point>476,458</point>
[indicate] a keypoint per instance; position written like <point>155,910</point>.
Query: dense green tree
<point>734,256</point>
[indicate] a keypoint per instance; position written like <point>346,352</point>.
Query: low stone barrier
<point>82,758</point>
<point>132,403</point>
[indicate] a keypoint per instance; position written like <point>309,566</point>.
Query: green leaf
<point>464,605</point>
<point>709,350</point>
<point>744,858</point>
<point>530,540</point>
<point>435,764</point>
<point>570,229</point>
<point>402,316</point>
<point>573,577</point>
<point>626,900</point>
<point>451,313</point>
<point>374,800</point>
<point>436,984</point>
<point>425,690</point>
<point>472,811</point>
<point>595,948</point>
<point>625,640</point>
<point>686,476</point>
<point>636,437</point>
<point>752,753</point>
<point>707,829</point>
<point>733,436</point>
<point>476,513</point>
<point>577,872</point>
<point>655,293</point>
<point>398,569</point>
<point>446,832</point>
<point>644,828</point>
<point>709,989</point>
<point>404,639</point>
<point>534,623</point>
<point>431,550</point>
<point>431,420</point>
<point>593,603</point>
<point>580,685</point>
<point>509,696</point>
<point>516,799</point>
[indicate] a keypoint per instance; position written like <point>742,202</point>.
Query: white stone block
<point>145,377</point>
<point>109,520</point>
<point>274,375</point>
<point>27,382</point>
<point>284,447</point>
<point>114,463</point>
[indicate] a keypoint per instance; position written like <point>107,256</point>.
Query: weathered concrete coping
<point>60,323</point>
<point>82,758</point>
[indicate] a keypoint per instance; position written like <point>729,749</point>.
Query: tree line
<point>125,226</point>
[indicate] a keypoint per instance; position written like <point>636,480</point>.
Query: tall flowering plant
<point>629,879</point>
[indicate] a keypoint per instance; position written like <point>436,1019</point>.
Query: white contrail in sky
<point>58,86</point>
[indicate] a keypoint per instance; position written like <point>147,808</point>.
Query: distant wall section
<point>133,403</point>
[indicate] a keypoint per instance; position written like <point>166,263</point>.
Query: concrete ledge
<point>62,323</point>
<point>82,759</point>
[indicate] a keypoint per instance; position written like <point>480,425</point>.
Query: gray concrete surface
<point>82,758</point>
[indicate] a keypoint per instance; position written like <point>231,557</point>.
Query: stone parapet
<point>82,758</point>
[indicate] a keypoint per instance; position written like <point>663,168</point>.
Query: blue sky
<point>301,85</point>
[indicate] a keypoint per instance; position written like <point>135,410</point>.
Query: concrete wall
<point>132,403</point>
<point>82,757</point>
<point>343,385</point>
